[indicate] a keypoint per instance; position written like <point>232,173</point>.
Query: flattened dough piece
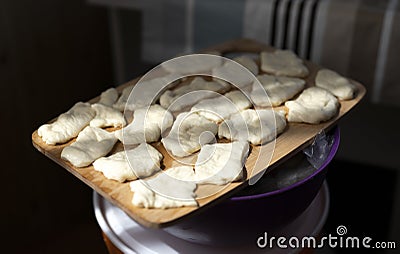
<point>234,73</point>
<point>256,126</point>
<point>108,97</point>
<point>147,92</point>
<point>220,108</point>
<point>247,62</point>
<point>188,133</point>
<point>163,191</point>
<point>314,105</point>
<point>120,104</point>
<point>336,84</point>
<point>144,159</point>
<point>283,63</point>
<point>188,95</point>
<point>68,125</point>
<point>192,64</point>
<point>107,116</point>
<point>221,163</point>
<point>183,173</point>
<point>279,89</point>
<point>91,144</point>
<point>147,125</point>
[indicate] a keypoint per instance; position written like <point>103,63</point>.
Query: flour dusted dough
<point>283,63</point>
<point>256,126</point>
<point>147,126</point>
<point>279,89</point>
<point>247,62</point>
<point>144,161</point>
<point>91,144</point>
<point>190,94</point>
<point>108,97</point>
<point>336,84</point>
<point>107,116</point>
<point>220,108</point>
<point>314,105</point>
<point>221,163</point>
<point>68,125</point>
<point>163,191</point>
<point>188,133</point>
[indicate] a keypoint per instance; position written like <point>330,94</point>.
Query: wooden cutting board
<point>294,138</point>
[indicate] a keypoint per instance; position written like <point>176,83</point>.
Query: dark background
<point>54,53</point>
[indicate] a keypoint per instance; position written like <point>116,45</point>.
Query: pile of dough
<point>279,89</point>
<point>221,163</point>
<point>247,62</point>
<point>91,144</point>
<point>144,161</point>
<point>147,126</point>
<point>314,105</point>
<point>120,104</point>
<point>108,97</point>
<point>163,191</point>
<point>234,73</point>
<point>336,84</point>
<point>188,133</point>
<point>188,95</point>
<point>107,116</point>
<point>68,125</point>
<point>220,108</point>
<point>283,63</point>
<point>256,126</point>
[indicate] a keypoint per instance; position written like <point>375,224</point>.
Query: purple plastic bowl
<point>241,218</point>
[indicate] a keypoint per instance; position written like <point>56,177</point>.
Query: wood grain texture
<point>295,137</point>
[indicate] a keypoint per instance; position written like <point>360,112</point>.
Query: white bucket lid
<point>129,237</point>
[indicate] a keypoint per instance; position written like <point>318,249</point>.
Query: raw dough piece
<point>163,191</point>
<point>283,63</point>
<point>68,125</point>
<point>314,105</point>
<point>336,84</point>
<point>147,92</point>
<point>188,133</point>
<point>192,64</point>
<point>107,116</point>
<point>144,159</point>
<point>279,89</point>
<point>247,62</point>
<point>220,108</point>
<point>233,73</point>
<point>221,163</point>
<point>183,173</point>
<point>256,126</point>
<point>120,104</point>
<point>108,97</point>
<point>190,94</point>
<point>91,144</point>
<point>146,127</point>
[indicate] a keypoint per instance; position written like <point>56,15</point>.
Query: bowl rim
<point>332,153</point>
